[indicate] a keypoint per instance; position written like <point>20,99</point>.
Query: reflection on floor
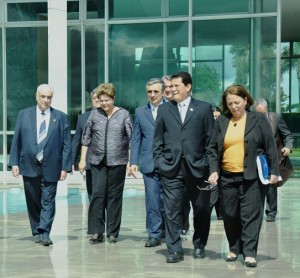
<point>72,255</point>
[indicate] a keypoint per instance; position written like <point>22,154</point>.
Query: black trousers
<point>271,201</point>
<point>88,182</point>
<point>174,190</point>
<point>242,211</point>
<point>108,184</point>
<point>40,200</point>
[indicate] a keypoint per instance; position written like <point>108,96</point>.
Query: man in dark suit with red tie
<point>180,144</point>
<point>41,152</point>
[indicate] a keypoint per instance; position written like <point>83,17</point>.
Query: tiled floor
<point>72,255</point>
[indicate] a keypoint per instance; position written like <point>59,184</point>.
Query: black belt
<point>231,174</point>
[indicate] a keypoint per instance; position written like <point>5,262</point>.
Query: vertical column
<point>57,48</point>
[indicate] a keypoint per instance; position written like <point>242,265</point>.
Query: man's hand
<point>132,171</point>
<point>285,151</point>
<point>63,175</point>
<point>15,171</point>
<point>213,178</point>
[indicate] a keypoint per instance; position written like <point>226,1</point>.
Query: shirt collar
<point>39,111</point>
<point>186,101</point>
<point>152,106</point>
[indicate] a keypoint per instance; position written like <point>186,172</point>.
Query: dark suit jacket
<point>76,142</point>
<point>172,139</point>
<point>57,148</point>
<point>142,139</point>
<point>258,139</point>
<point>282,135</point>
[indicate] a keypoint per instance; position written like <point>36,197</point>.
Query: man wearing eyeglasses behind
<point>284,142</point>
<point>141,154</point>
<point>180,143</point>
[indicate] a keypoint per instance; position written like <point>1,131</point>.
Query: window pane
<point>95,9</point>
<point>134,8</point>
<point>295,85</point>
<point>94,59</point>
<point>219,7</point>
<point>135,57</point>
<point>27,67</point>
<point>72,10</point>
<point>180,7</point>
<point>177,47</point>
<point>296,48</point>
<point>27,11</point>
<point>220,49</point>
<point>285,49</point>
<point>233,6</point>
<point>222,53</point>
<point>9,141</point>
<point>74,74</point>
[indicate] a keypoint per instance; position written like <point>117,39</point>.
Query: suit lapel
<point>33,123</point>
<point>174,111</point>
<point>52,124</point>
<point>148,113</point>
<point>250,121</point>
<point>190,111</point>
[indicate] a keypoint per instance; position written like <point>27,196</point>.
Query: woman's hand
<point>213,178</point>
<point>81,166</point>
<point>273,179</point>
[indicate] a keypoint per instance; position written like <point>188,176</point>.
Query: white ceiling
<point>290,22</point>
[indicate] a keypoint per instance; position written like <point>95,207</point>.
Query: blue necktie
<point>41,137</point>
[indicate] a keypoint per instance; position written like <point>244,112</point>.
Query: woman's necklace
<point>235,122</point>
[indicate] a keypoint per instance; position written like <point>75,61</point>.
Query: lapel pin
<point>54,120</point>
<point>191,109</point>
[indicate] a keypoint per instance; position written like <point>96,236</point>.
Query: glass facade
<point>128,42</point>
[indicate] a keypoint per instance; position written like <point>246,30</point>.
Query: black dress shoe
<point>152,242</point>
<point>270,218</point>
<point>175,257</point>
<point>46,241</point>
<point>38,239</point>
<point>96,238</point>
<point>199,253</point>
<point>112,239</point>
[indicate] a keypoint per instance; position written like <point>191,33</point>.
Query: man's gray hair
<point>260,101</point>
<point>40,87</point>
<point>167,77</point>
<point>153,81</point>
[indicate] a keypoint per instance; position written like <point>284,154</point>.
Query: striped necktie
<point>41,137</point>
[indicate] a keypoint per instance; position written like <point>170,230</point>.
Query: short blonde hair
<point>107,89</point>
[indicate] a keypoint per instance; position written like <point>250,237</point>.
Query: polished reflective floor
<point>72,255</point>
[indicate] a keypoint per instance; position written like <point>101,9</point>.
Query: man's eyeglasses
<point>153,91</point>
<point>206,188</point>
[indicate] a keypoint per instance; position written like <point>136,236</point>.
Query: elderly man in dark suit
<point>41,153</point>
<point>141,154</point>
<point>284,141</point>
<point>181,136</point>
<point>76,142</point>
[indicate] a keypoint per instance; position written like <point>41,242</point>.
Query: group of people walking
<point>182,151</point>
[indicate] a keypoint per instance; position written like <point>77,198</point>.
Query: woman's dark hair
<point>237,90</point>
